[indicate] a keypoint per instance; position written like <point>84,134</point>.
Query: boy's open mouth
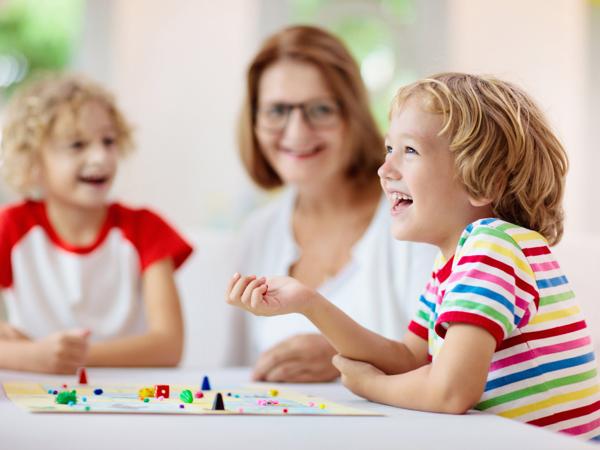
<point>400,201</point>
<point>95,180</point>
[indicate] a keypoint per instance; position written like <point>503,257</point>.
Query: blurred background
<point>177,69</point>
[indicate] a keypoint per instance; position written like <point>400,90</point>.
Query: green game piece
<point>146,400</point>
<point>186,396</point>
<point>65,397</point>
<point>87,408</point>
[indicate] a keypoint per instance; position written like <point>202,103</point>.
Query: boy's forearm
<point>354,341</point>
<point>16,355</point>
<point>151,349</point>
<point>415,390</point>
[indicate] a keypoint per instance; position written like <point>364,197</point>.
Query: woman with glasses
<point>306,128</point>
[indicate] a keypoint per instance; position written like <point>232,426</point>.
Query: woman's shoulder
<point>273,214</point>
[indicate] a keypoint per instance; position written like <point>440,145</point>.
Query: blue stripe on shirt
<point>485,292</point>
<point>551,282</point>
<point>539,370</point>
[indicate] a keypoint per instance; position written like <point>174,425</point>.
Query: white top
<point>49,285</point>
<point>379,287</point>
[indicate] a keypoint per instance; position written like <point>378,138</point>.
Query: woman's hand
<point>357,376</point>
<point>302,358</point>
<point>280,295</point>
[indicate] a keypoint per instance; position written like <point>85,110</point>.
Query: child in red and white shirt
<point>85,282</point>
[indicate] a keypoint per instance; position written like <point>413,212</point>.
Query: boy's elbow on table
<point>453,399</point>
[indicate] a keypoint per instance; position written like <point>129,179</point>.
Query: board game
<point>179,399</point>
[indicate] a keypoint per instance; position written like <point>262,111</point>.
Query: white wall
<point>177,68</point>
<point>541,45</point>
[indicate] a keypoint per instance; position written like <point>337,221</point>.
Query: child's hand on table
<point>357,376</point>
<point>61,352</point>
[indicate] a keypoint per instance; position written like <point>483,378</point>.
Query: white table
<point>398,429</point>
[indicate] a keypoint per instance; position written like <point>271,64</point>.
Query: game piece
<point>205,384</point>
<point>98,391</point>
<point>64,386</point>
<point>273,392</point>
<point>84,399</point>
<point>82,375</point>
<point>162,390</point>
<point>87,408</point>
<point>218,404</point>
<point>145,392</point>
<point>146,400</point>
<point>285,411</point>
<point>199,394</point>
<point>322,406</point>
<point>186,396</point>
<point>181,406</point>
<point>66,397</point>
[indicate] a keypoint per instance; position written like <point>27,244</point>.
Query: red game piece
<point>161,390</point>
<point>82,375</point>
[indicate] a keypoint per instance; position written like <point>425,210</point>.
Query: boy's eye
<point>388,149</point>
<point>410,151</point>
<point>77,145</point>
<point>108,141</point>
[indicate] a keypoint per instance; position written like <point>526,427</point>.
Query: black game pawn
<point>218,404</point>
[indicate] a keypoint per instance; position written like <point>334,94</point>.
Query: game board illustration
<point>170,399</point>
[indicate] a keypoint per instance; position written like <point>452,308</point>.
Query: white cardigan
<point>379,287</point>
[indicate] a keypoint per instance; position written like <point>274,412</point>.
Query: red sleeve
<point>15,222</point>
<point>154,238</point>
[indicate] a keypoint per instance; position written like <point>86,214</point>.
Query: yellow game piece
<point>322,406</point>
<point>146,392</point>
<point>273,392</point>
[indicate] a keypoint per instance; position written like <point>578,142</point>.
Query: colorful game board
<point>124,398</point>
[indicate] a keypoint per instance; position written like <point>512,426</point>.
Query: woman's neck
<point>335,197</point>
<point>75,225</point>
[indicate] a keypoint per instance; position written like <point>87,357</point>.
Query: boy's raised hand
<point>62,352</point>
<point>262,297</point>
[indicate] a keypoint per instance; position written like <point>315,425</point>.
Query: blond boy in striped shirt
<point>472,167</point>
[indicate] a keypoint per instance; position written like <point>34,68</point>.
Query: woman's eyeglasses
<point>318,114</point>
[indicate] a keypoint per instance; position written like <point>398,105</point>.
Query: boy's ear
<point>479,202</point>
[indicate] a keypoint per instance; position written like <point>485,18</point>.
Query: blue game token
<point>98,391</point>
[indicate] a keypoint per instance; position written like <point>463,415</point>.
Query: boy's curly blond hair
<point>503,146</point>
<point>30,117</point>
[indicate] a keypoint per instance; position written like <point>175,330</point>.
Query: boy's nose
<point>97,153</point>
<point>389,170</point>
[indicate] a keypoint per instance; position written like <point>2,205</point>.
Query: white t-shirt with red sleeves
<point>49,285</point>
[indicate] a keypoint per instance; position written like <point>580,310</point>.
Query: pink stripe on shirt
<point>545,266</point>
<point>536,352</point>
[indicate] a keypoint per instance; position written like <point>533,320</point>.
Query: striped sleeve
<point>423,318</point>
<point>491,286</point>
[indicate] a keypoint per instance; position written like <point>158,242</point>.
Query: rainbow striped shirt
<point>505,279</point>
